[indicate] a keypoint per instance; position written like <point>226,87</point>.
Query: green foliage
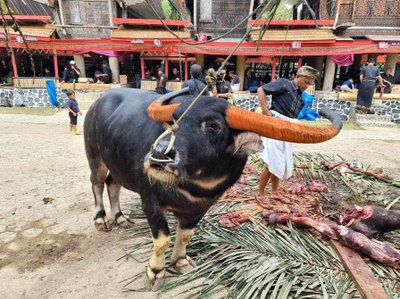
<point>27,110</point>
<point>170,12</point>
<point>4,7</point>
<point>282,13</point>
<point>255,260</point>
<point>355,187</point>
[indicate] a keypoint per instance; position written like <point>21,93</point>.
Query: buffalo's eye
<point>214,127</point>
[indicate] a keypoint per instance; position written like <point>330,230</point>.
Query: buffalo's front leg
<point>184,233</point>
<point>159,227</point>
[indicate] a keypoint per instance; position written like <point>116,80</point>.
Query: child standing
<point>73,109</point>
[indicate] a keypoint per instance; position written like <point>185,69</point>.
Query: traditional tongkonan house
<point>131,39</point>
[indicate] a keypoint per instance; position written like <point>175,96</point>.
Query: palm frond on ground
<point>362,189</point>
<point>258,261</point>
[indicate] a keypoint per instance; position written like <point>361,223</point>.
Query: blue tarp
<point>51,90</point>
<point>305,112</point>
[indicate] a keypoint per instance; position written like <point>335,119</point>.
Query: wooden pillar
<point>273,73</point>
<point>186,69</point>
<point>329,74</point>
<point>299,63</point>
<point>80,64</point>
<point>61,8</point>
<point>319,64</point>
<point>195,15</point>
<point>142,67</point>
<point>166,67</point>
<point>200,60</point>
<point>251,6</point>
<point>114,66</point>
<point>125,12</point>
<point>55,61</point>
<point>391,61</point>
<point>240,69</point>
<point>110,11</point>
<point>14,64</point>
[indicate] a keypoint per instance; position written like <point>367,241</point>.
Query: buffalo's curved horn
<point>279,129</point>
<point>158,111</point>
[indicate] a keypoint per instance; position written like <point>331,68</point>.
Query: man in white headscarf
<point>286,104</point>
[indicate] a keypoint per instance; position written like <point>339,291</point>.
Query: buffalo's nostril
<point>161,155</point>
<point>168,162</point>
<point>159,152</point>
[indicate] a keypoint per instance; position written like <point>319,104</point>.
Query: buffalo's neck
<point>215,186</point>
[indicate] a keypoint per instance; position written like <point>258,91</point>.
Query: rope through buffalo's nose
<point>169,131</point>
<point>174,127</point>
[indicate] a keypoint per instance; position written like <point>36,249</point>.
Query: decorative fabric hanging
<point>343,60</point>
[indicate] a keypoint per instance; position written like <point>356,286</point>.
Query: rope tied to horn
<point>157,112</point>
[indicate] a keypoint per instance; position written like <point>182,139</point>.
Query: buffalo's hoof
<point>154,279</point>
<point>184,265</point>
<point>123,222</point>
<point>102,224</point>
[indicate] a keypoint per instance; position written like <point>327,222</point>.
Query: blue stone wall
<point>393,108</point>
<point>250,102</point>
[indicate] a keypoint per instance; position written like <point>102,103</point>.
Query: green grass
<point>398,125</point>
<point>28,110</point>
<point>352,126</point>
<point>322,123</point>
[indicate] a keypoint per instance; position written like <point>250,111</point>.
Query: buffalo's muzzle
<point>160,155</point>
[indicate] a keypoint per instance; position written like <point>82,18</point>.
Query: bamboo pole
<point>354,10</point>
<point>338,3</point>
<point>110,11</point>
<point>273,72</point>
<point>55,60</point>
<point>142,66</point>
<point>86,26</point>
<point>60,5</point>
<point>186,69</point>
<point>195,15</point>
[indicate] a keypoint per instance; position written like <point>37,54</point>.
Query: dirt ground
<point>49,247</point>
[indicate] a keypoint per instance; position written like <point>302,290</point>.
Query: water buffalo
<point>211,147</point>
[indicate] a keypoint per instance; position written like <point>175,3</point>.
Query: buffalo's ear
<point>246,143</point>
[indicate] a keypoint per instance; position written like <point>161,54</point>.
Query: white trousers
<point>278,155</point>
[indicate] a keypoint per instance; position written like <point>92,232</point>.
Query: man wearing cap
<point>286,103</point>
<point>71,73</point>
<point>222,87</point>
<point>194,84</point>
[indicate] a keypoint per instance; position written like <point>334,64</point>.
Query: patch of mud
<point>33,247</point>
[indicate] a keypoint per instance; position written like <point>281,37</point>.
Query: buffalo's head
<point>214,137</point>
<point>204,147</point>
